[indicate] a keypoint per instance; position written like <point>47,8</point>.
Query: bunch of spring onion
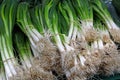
<point>43,50</point>
<point>59,38</point>
<point>7,18</point>
<point>89,60</point>
<point>50,56</point>
<point>108,50</point>
<point>103,13</point>
<point>62,41</point>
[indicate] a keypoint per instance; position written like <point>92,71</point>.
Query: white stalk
<point>92,46</point>
<point>32,43</point>
<point>30,57</point>
<point>88,52</point>
<point>78,35</point>
<point>104,32</point>
<point>6,65</point>
<point>70,31</point>
<point>67,73</point>
<point>33,36</point>
<point>111,24</point>
<point>68,48</point>
<point>82,59</point>
<point>83,37</point>
<point>100,44</point>
<point>95,45</point>
<point>35,52</point>
<point>12,67</point>
<point>71,25</point>
<point>74,34</point>
<point>87,24</point>
<point>37,33</point>
<point>75,61</point>
<point>7,70</point>
<point>23,64</point>
<point>66,42</point>
<point>59,43</point>
<point>27,61</point>
<point>6,53</point>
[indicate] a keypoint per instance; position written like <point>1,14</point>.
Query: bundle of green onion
<point>7,17</point>
<point>57,40</point>
<point>110,60</point>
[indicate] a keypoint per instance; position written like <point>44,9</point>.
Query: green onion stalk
<point>109,53</point>
<point>2,70</point>
<point>7,18</point>
<point>38,43</point>
<point>101,11</point>
<point>23,49</point>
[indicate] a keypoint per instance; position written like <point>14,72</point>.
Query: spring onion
<point>7,13</point>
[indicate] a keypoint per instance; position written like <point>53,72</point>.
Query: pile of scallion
<point>57,40</point>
